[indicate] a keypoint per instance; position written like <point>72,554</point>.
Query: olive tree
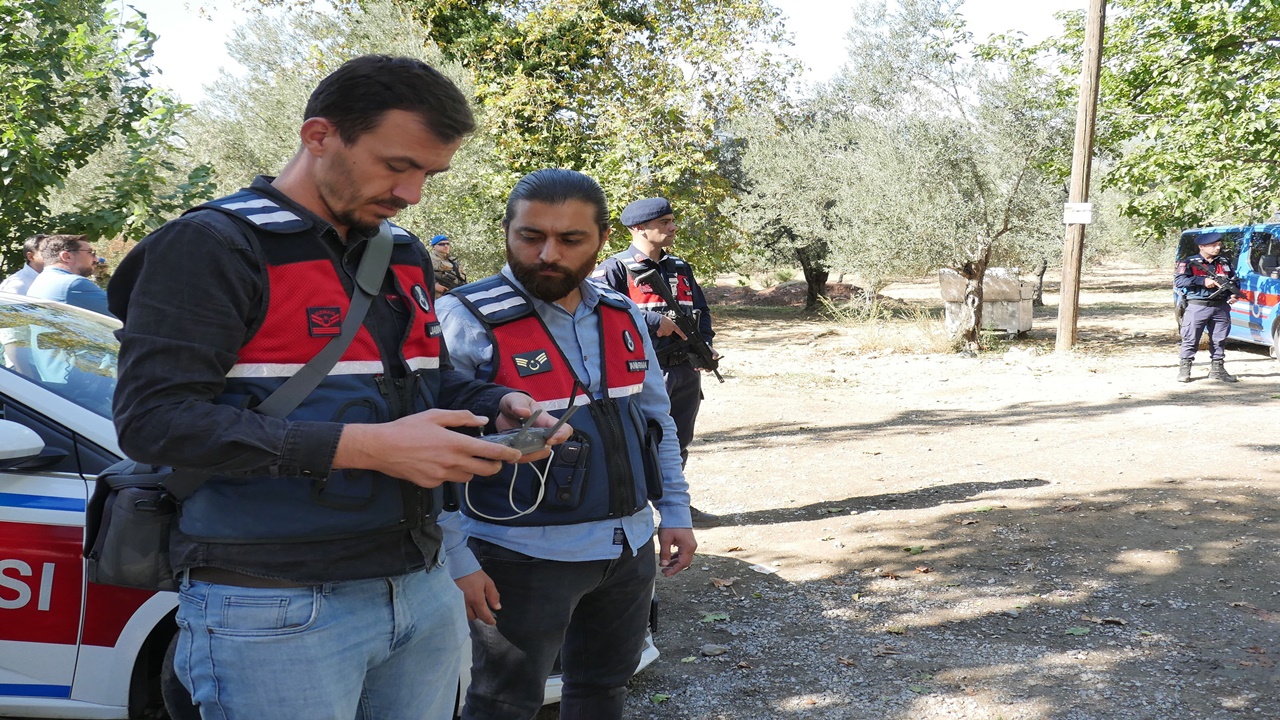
<point>960,157</point>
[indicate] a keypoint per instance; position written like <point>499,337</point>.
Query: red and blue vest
<point>609,468</point>
<point>305,298</point>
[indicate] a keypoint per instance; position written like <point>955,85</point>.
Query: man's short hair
<point>52,246</point>
<point>31,246</point>
<point>556,186</point>
<point>356,96</point>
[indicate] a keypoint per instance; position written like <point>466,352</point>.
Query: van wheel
<point>1275,343</point>
<point>176,698</point>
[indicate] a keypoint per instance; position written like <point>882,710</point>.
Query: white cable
<point>511,493</point>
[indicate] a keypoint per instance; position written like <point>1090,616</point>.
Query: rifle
<point>694,344</point>
<point>1226,283</point>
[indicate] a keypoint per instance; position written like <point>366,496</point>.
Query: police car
<point>70,648</point>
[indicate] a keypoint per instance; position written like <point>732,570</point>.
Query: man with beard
<point>68,265</point>
<point>310,562</point>
<point>561,557</point>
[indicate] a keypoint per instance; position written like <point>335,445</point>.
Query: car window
<point>1230,243</point>
<point>69,352</point>
<point>1264,254</point>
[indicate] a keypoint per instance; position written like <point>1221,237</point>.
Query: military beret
<point>439,239</point>
<point>642,211</point>
<point>1208,238</point>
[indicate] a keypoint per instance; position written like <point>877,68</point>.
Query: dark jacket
<point>210,303</point>
<point>1191,273</point>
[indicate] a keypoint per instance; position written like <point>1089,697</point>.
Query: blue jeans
<point>386,648</point>
<point>592,614</point>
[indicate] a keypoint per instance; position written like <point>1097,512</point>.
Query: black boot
<point>1184,370</point>
<point>1218,372</point>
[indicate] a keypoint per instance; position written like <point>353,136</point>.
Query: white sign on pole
<point>1077,213</point>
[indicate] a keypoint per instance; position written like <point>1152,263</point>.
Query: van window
<point>1264,254</point>
<point>1230,244</point>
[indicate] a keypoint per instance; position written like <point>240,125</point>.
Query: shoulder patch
<point>260,211</point>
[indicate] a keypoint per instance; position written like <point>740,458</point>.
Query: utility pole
<point>1077,214</point>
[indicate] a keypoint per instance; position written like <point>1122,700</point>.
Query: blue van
<point>1254,252</point>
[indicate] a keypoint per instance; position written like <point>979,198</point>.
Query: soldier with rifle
<point>1207,283</point>
<point>674,310</point>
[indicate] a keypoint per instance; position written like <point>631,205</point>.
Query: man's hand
<point>515,408</point>
<point>683,542</point>
<point>422,449</point>
<point>1210,283</point>
<point>481,597</point>
<point>667,326</point>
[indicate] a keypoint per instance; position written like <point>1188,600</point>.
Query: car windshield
<point>67,351</point>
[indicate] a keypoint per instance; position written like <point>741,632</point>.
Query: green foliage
<point>74,81</point>
<point>249,123</point>
<point>632,92</point>
<point>1190,90</point>
<point>917,156</point>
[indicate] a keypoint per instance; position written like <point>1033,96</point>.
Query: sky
<point>191,49</point>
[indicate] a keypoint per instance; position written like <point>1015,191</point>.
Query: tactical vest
<point>609,468</point>
<point>305,301</point>
<point>681,284</point>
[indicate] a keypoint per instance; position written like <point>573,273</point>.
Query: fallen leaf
<point>896,630</point>
<point>913,549</point>
<point>923,569</point>
<point>846,662</point>
<point>735,548</point>
<point>891,576</point>
<point>968,521</point>
<point>710,650</point>
<point>715,617</point>
<point>764,569</point>
<point>1077,631</point>
<point>829,537</point>
<point>659,698</point>
<point>724,582</point>
<point>743,665</point>
<point>689,659</point>
<point>919,689</point>
<point>984,508</point>
<point>884,651</point>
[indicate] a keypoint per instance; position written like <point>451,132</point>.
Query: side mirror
<point>18,443</point>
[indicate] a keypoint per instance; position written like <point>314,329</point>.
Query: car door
<point>1253,313</point>
<point>41,578</point>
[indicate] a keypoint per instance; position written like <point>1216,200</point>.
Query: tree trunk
<point>973,272</point>
<point>815,275</point>
<point>1037,299</point>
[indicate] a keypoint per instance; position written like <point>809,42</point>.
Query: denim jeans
<point>386,648</point>
<point>593,614</point>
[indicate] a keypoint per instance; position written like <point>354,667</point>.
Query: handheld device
<point>527,438</point>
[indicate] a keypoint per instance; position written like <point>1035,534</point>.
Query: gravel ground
<point>1023,536</point>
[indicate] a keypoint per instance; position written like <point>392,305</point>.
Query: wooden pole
<point>1081,164</point>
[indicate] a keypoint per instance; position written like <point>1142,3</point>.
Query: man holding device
<point>562,558</point>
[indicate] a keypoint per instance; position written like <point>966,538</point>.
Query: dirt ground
<point>1018,536</point>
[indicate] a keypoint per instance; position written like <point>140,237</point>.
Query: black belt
<point>221,576</point>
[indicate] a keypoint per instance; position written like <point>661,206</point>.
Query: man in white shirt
<point>18,282</point>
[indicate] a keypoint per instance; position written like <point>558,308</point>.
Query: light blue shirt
<point>54,283</point>
<point>578,336</point>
